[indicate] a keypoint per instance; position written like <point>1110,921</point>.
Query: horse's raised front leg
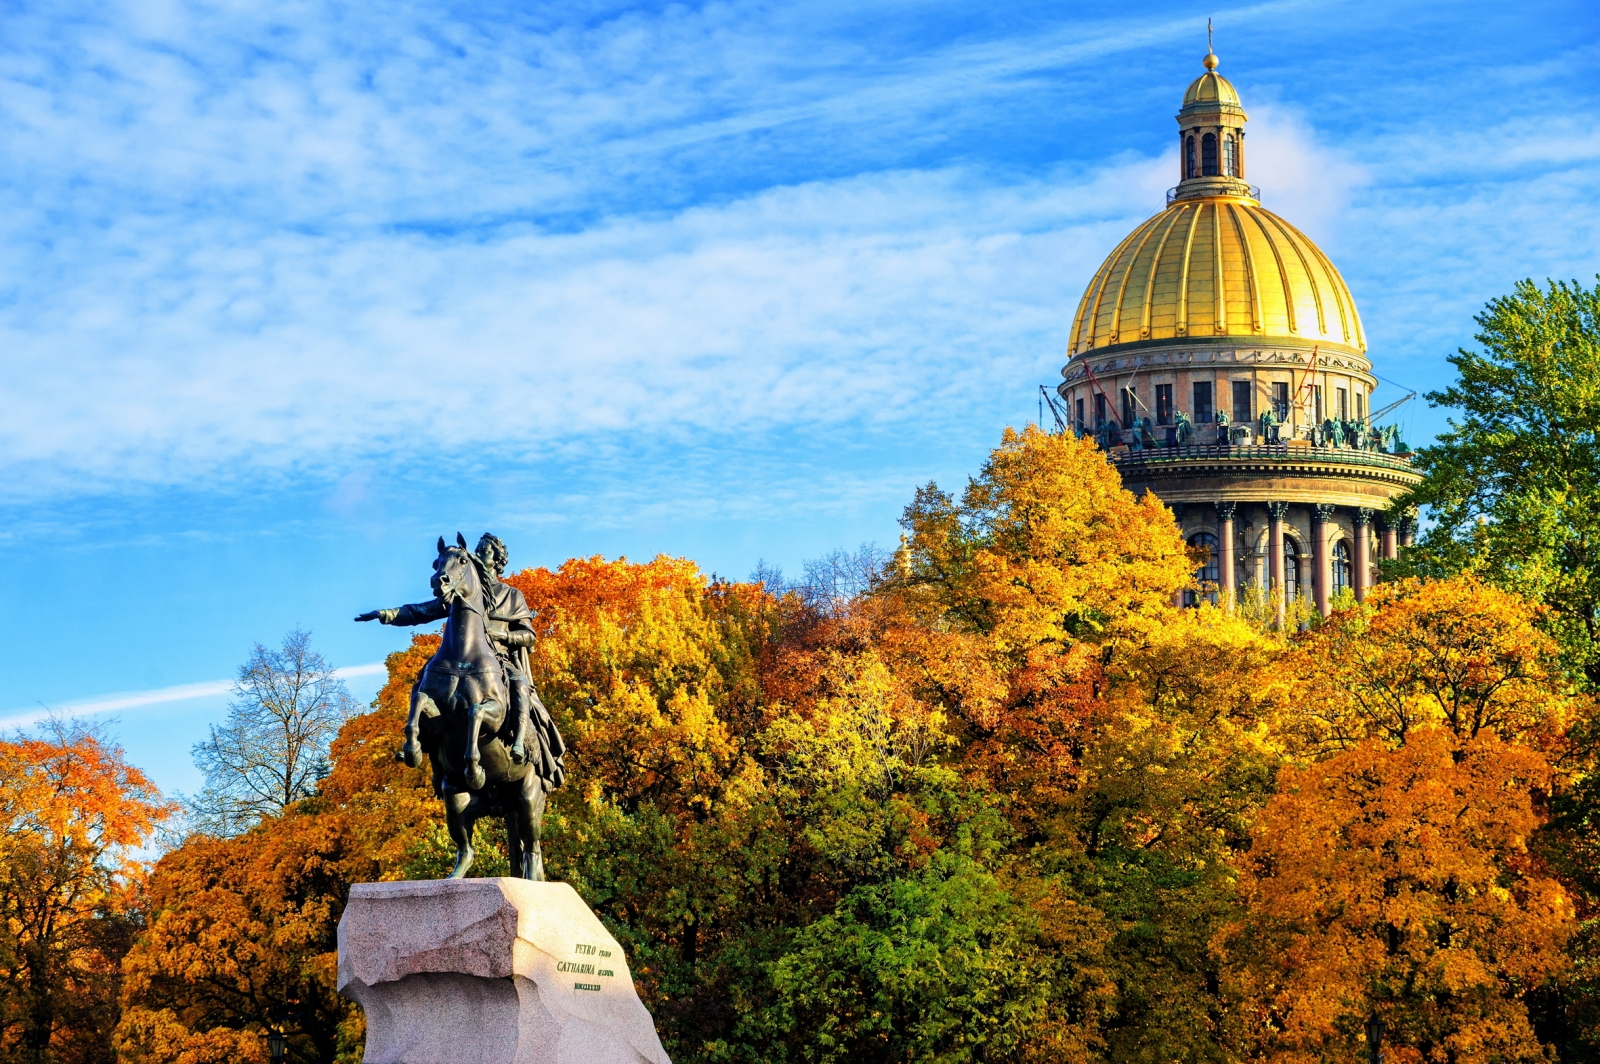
<point>460,824</point>
<point>411,751</point>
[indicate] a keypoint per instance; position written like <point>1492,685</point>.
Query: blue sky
<point>288,290</point>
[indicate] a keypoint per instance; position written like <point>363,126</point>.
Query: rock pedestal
<point>489,971</point>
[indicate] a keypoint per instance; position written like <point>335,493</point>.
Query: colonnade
<point>1391,537</point>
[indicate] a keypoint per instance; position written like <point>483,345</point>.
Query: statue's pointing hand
<point>381,616</point>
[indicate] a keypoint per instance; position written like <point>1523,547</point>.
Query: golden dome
<point>1219,266</point>
<point>1211,88</point>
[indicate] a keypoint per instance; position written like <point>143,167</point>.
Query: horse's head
<point>457,573</point>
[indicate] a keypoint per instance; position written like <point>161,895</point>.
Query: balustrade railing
<point>1332,455</point>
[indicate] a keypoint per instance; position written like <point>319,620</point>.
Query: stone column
<point>1387,545</point>
<point>1362,562</point>
<point>1408,530</point>
<point>1276,512</point>
<point>1321,518</point>
<point>1225,546</point>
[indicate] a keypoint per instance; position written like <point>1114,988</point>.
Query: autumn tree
<point>287,706</point>
<point>1048,563</point>
<point>1395,875</point>
<point>72,814</point>
<point>1129,739</point>
<point>242,933</point>
<point>1458,653</point>
<point>1396,881</point>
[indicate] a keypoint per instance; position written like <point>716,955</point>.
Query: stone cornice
<point>1111,362</point>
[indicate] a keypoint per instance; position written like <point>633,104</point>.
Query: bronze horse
<point>458,711</point>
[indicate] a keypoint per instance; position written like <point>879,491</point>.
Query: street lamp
<point>1374,1040</point>
<point>277,1045</point>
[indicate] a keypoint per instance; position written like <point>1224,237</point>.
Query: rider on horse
<point>510,629</point>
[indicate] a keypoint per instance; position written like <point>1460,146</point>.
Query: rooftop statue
<point>1268,423</point>
<point>1185,428</point>
<point>491,744</point>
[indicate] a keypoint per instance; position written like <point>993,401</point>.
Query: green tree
<point>1513,485</point>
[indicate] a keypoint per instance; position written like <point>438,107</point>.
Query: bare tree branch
<point>273,749</point>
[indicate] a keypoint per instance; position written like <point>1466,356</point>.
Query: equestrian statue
<point>491,744</point>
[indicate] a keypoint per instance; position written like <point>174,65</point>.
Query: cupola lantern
<point>1211,138</point>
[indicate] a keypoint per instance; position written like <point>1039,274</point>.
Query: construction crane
<point>1397,404</point>
<point>1046,399</point>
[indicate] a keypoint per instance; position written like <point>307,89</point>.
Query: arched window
<point>1230,157</point>
<point>1206,575</point>
<point>1291,570</point>
<point>1208,155</point>
<point>1341,567</point>
<point>1189,167</point>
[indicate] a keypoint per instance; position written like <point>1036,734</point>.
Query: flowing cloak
<point>508,614</point>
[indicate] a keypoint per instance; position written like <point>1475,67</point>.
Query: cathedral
<point>1218,358</point>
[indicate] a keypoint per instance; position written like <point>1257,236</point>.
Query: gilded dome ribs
<point>1283,273</point>
<point>1311,278</point>
<point>1122,288</point>
<point>1220,309</point>
<point>1249,268</point>
<point>1180,324</point>
<point>1177,273</point>
<point>1341,297</point>
<point>1150,279</point>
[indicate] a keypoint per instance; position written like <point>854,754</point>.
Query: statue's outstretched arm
<point>405,616</point>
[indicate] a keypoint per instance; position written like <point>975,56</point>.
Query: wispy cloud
<point>113,703</point>
<point>238,242</point>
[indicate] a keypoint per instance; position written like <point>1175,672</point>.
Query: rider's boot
<point>519,713</point>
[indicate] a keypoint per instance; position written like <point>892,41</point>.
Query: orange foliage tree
<point>1397,883</point>
<point>71,813</point>
<point>1393,876</point>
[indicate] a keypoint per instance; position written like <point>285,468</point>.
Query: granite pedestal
<point>489,971</point>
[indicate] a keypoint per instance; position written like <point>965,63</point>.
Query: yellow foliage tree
<point>1049,562</point>
<point>1458,653</point>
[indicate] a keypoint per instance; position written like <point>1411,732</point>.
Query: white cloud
<point>239,242</point>
<point>1302,177</point>
<point>22,718</point>
<point>817,303</point>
